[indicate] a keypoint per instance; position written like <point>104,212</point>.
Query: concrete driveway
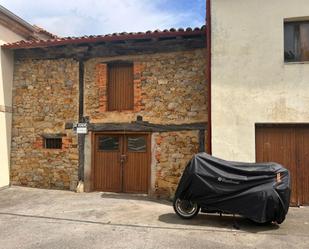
<point>36,218</point>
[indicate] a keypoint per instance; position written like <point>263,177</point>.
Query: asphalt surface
<point>36,218</point>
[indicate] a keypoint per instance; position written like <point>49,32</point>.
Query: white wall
<point>6,79</point>
<point>250,81</point>
<point>5,135</point>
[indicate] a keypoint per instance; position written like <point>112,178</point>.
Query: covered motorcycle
<point>258,191</point>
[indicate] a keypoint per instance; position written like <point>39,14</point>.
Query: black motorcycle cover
<point>258,191</point>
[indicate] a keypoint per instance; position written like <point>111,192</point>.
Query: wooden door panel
<point>120,87</point>
<point>123,167</point>
<point>107,169</point>
<point>303,162</point>
<point>135,171</point>
<point>277,144</point>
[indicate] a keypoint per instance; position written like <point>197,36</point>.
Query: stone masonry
<point>173,150</point>
<point>45,96</point>
<point>169,88</point>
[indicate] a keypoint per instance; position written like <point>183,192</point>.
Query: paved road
<point>36,218</point>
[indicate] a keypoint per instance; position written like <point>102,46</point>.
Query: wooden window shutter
<point>120,87</point>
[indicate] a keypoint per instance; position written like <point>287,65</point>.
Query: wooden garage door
<point>121,163</point>
<point>289,146</point>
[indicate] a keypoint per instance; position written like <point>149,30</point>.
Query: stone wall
<point>170,88</point>
<point>173,150</point>
<point>45,96</point>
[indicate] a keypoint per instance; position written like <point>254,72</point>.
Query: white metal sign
<point>81,128</point>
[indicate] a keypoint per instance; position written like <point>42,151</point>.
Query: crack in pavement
<point>108,223</point>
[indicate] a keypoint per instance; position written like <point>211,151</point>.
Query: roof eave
<point>106,38</point>
<point>16,19</point>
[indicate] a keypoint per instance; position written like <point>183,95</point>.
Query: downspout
<point>81,137</point>
<point>208,73</point>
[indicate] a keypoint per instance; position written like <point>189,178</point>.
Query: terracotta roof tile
<point>43,31</point>
<point>57,41</point>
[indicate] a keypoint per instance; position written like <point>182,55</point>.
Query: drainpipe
<point>208,73</point>
<point>81,137</point>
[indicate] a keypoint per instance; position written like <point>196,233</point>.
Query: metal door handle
<point>123,158</point>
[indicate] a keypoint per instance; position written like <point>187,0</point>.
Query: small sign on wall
<point>81,128</point>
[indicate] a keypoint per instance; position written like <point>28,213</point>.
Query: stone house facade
<point>143,97</point>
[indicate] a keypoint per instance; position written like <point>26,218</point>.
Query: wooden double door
<point>121,163</point>
<point>289,146</point>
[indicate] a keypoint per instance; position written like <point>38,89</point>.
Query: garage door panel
<point>121,163</point>
<point>303,161</point>
<point>276,144</point>
<point>136,167</point>
<point>107,170</point>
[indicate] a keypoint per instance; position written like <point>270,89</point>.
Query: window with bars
<point>53,143</point>
<point>120,93</point>
<point>296,41</point>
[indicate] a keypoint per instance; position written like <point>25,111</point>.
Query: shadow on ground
<point>135,197</point>
<point>217,221</point>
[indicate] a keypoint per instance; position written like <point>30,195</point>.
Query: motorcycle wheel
<point>185,209</point>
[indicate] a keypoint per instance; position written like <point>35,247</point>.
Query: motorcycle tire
<point>185,209</point>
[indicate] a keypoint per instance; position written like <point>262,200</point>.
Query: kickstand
<point>235,225</point>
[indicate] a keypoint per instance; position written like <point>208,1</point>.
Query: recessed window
<point>296,41</point>
<point>120,93</point>
<point>53,143</point>
<point>108,143</point>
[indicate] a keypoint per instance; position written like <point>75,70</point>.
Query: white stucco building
<point>12,29</point>
<point>260,84</point>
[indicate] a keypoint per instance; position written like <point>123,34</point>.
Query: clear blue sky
<point>86,17</point>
